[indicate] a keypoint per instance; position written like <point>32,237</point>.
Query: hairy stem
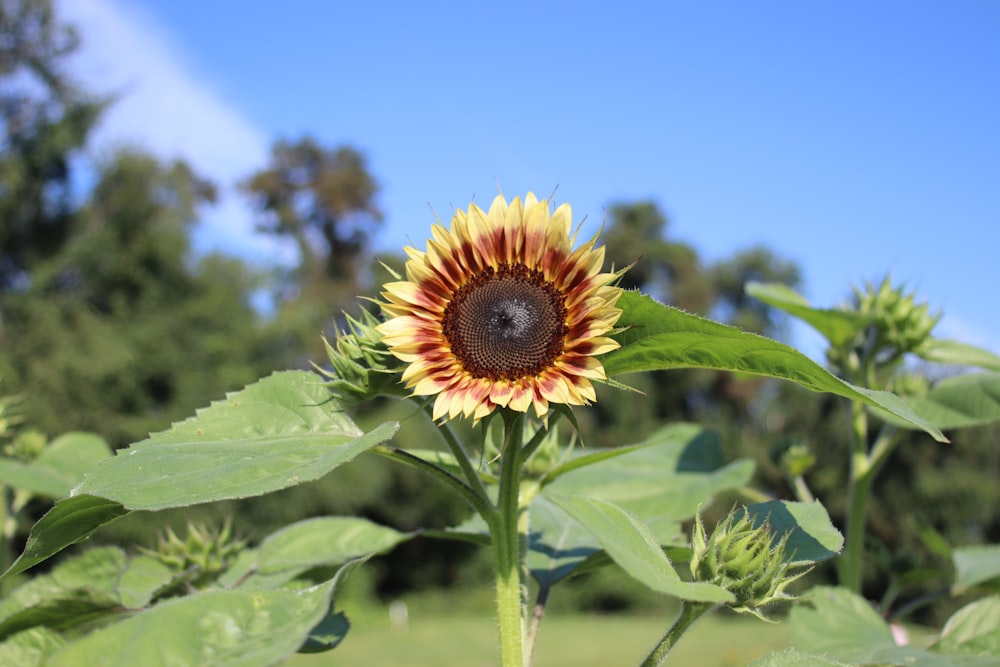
<point>479,503</point>
<point>859,486</point>
<point>507,547</point>
<point>462,457</point>
<point>536,619</point>
<point>690,612</point>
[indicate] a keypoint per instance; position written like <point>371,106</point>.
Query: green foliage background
<point>110,323</point>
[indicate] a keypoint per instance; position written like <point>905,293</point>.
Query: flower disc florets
<point>501,311</point>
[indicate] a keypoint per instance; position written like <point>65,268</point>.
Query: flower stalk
<point>508,547</point>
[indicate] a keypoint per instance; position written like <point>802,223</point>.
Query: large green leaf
<point>839,624</point>
<point>812,537</point>
<point>219,628</point>
<point>141,579</point>
<point>325,540</point>
<point>977,565</point>
<point>658,337</point>
<point>958,354</point>
<point>30,648</point>
<point>79,590</point>
<point>838,326</point>
<point>958,402</point>
<point>973,630</point>
<point>307,544</point>
<point>557,543</point>
<point>70,521</point>
<point>279,432</point>
<point>634,547</point>
<point>59,467</point>
<point>792,658</point>
<point>662,481</point>
<point>34,479</point>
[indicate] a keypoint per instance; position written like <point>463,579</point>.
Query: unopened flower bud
<point>745,560</point>
<point>360,364</point>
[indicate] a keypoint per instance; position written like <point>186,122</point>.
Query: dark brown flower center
<point>506,324</point>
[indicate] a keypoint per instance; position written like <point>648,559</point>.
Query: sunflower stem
<point>539,437</point>
<point>475,483</point>
<point>690,612</point>
<point>507,549</point>
<point>858,487</point>
<point>479,503</point>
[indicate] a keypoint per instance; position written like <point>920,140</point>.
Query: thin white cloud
<point>166,108</point>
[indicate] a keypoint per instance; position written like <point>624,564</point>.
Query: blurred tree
<point>732,304</point>
<point>672,272</point>
<point>324,201</point>
<point>121,332</point>
<point>667,270</point>
<point>45,121</point>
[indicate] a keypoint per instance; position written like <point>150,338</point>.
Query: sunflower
<point>501,311</point>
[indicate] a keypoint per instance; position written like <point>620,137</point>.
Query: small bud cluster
<point>901,322</point>
<point>201,556</point>
<point>745,560</point>
<point>897,326</point>
<point>361,367</point>
<point>24,445</point>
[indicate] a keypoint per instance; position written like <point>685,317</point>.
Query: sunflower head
<point>501,311</point>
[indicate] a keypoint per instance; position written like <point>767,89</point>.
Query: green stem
<point>690,612</point>
<point>859,486</point>
<point>752,495</point>
<point>507,547</point>
<point>479,503</point>
<point>536,620</point>
<point>802,492</point>
<point>6,534</point>
<point>883,446</point>
<point>539,436</point>
<point>458,451</point>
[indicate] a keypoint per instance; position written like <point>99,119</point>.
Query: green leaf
<point>838,326</point>
<point>977,565</point>
<point>219,627</point>
<point>793,658</point>
<point>663,480</point>
<point>33,479</point>
<point>30,648</point>
<point>812,537</point>
<point>59,467</point>
<point>446,461</point>
<point>838,624</point>
<point>333,627</point>
<point>279,432</point>
<point>71,520</point>
<point>325,541</point>
<point>78,591</point>
<point>958,402</point>
<point>142,578</point>
<point>72,455</point>
<point>973,630</point>
<point>658,337</point>
<point>958,354</point>
<point>557,543</point>
<point>633,547</point>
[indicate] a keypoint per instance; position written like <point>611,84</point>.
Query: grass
<point>565,641</point>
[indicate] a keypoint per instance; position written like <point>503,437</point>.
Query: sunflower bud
<point>900,322</point>
<point>745,560</point>
<point>201,556</point>
<point>361,366</point>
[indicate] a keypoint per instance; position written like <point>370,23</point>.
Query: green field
<point>566,641</point>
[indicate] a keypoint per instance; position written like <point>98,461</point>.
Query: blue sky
<point>856,138</point>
